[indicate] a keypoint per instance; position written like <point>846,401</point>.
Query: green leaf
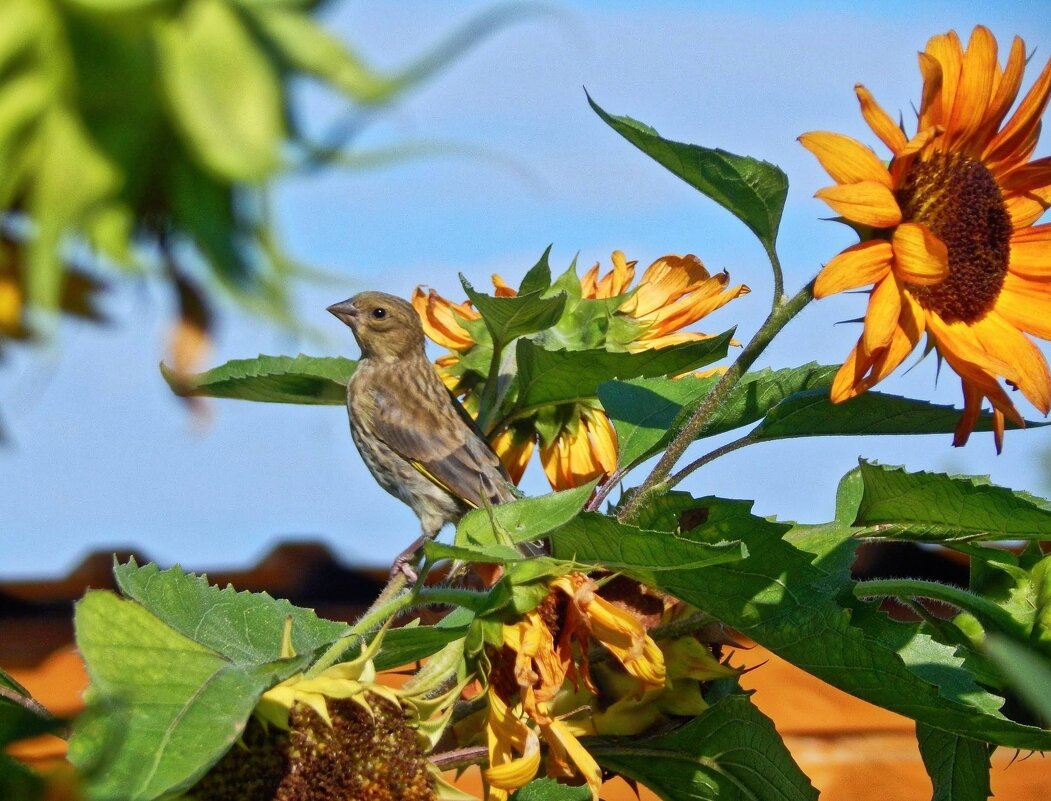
<point>730,752</point>
<point>223,91</point>
<point>753,191</point>
<point>510,318</point>
<point>549,377</point>
<point>411,643</point>
<point>550,790</point>
<point>813,414</point>
<point>523,520</point>
<point>802,610</point>
<point>243,627</point>
<point>1026,671</point>
<point>273,379</point>
<point>642,554</point>
<point>958,766</point>
<point>185,703</point>
<point>646,411</point>
<point>538,279</point>
<point>936,507</point>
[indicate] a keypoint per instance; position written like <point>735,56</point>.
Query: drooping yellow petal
<point>567,758</point>
<point>920,257</point>
<point>439,318</point>
<point>845,159</point>
<point>866,202</point>
<point>880,121</point>
<point>514,748</point>
<point>664,281</point>
<point>881,318</point>
<point>859,265</point>
<point>514,446</point>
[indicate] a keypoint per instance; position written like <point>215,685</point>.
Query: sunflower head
<point>577,440</point>
<point>948,242</point>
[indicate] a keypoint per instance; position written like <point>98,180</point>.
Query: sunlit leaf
<point>317,380</point>
<point>938,507</point>
<point>523,520</point>
<point>509,318</point>
<point>730,752</point>
<point>753,191</point>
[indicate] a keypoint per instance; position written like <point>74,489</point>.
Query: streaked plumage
<point>413,435</point>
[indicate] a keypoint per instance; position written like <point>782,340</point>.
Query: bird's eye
<point>379,313</point>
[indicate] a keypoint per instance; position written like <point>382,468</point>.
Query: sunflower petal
<point>1031,252</point>
<point>866,202</point>
<point>1002,339</point>
<point>850,374</point>
<point>1019,134</point>
<point>946,49</point>
<point>1004,92</point>
<point>1026,311</point>
<point>975,89</point>
<point>845,159</point>
<point>879,120</point>
<point>920,257</point>
<point>881,318</point>
<point>859,265</point>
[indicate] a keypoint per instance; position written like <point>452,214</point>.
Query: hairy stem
<point>656,482</point>
<point>983,609</point>
<point>779,281</point>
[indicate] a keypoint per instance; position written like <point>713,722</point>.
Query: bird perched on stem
<point>415,438</point>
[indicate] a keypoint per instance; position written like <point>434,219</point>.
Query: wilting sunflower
<point>949,243</point>
<point>577,441</point>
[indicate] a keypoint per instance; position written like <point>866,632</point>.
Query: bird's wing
<point>438,443</point>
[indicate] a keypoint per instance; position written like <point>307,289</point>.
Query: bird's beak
<point>345,312</point>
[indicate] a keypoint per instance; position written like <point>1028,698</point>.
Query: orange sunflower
<point>949,242</point>
<point>577,441</point>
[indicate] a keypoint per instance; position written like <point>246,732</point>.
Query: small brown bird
<point>415,438</point>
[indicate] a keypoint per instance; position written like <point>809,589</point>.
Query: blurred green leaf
<point>753,191</point>
<point>224,94</point>
<point>510,318</point>
<point>958,766</point>
<point>316,380</point>
<point>936,507</point>
<point>730,752</point>
<point>1027,672</point>
<point>548,377</point>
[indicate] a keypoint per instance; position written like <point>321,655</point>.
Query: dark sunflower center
<point>958,199</point>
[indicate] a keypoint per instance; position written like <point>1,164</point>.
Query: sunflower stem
<point>487,404</point>
<point>711,456</point>
<point>779,281</point>
<point>657,481</point>
<point>985,610</point>
<point>392,599</point>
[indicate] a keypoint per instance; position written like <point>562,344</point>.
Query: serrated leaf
<point>813,414</point>
<point>523,520</point>
<point>730,752</point>
<point>224,93</point>
<point>780,597</point>
<point>958,766</point>
<point>185,703</point>
<point>310,380</point>
<point>753,191</point>
<point>549,377</point>
<point>936,507</point>
<point>245,628</point>
<point>643,554</point>
<point>510,318</point>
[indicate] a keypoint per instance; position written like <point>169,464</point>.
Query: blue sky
<point>102,456</point>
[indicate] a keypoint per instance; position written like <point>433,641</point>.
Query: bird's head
<point>387,328</point>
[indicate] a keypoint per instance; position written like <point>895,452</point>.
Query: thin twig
<point>711,456</point>
<point>460,758</point>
